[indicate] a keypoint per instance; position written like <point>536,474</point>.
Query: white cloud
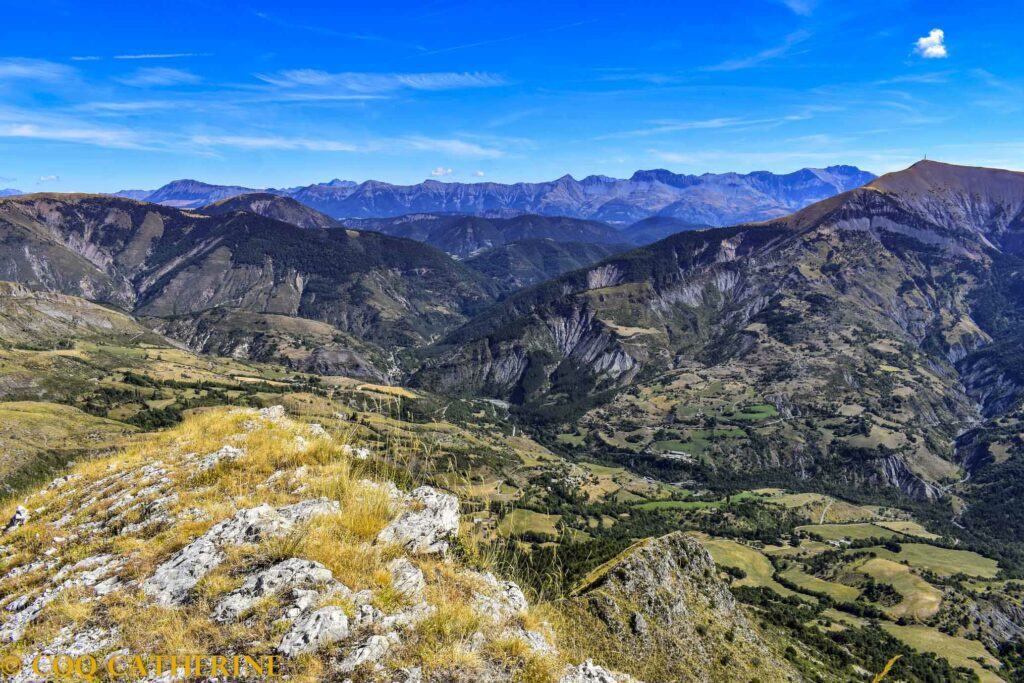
<point>479,174</point>
<point>802,7</point>
<point>274,142</point>
<point>780,50</point>
<point>34,70</point>
<point>171,55</point>
<point>376,83</point>
<point>86,58</point>
<point>378,145</point>
<point>454,147</point>
<point>30,124</point>
<point>48,178</point>
<point>441,171</point>
<point>933,45</point>
<point>157,76</point>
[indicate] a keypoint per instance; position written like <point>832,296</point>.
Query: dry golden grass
<point>283,462</point>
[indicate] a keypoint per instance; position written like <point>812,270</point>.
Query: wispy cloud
<point>441,171</point>
<point>40,70</point>
<point>934,77</point>
<point>81,133</point>
<point>664,126</point>
<point>933,45</point>
<point>86,58</point>
<point>452,147</point>
<point>802,7</point>
<point>505,39</point>
<point>791,41</point>
<point>876,160</point>
<point>327,31</point>
<point>459,148</point>
<point>166,55</point>
<point>48,179</point>
<point>159,76</point>
<point>380,83</point>
<point>478,174</point>
<point>274,142</point>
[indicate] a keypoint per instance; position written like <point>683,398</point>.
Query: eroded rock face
<point>430,520</point>
<point>664,597</point>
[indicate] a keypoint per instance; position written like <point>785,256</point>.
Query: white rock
<point>430,519</point>
<point>226,454</point>
<point>372,650</point>
<point>315,630</point>
<point>293,573</point>
<point>272,413</point>
<point>504,599</point>
<point>172,581</point>
<point>588,672</point>
<point>19,518</point>
<point>407,579</point>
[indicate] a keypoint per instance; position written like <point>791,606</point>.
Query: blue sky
<point>100,96</point>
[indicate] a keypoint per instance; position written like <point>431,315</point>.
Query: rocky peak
<point>659,611</point>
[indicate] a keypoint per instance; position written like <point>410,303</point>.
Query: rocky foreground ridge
<point>243,532</point>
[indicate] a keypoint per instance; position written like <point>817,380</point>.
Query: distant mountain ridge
<point>274,206</point>
<point>468,235</point>
<point>10,192</point>
<point>707,199</point>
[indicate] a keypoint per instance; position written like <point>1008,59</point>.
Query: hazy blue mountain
<point>708,199</point>
<point>657,228</point>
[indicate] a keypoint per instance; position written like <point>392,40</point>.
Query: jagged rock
<point>172,581</point>
<point>88,573</point>
<point>505,599</point>
<point>272,413</point>
<point>313,631</point>
<point>67,642</point>
<point>228,454</point>
<point>588,672</point>
<point>407,578</point>
<point>372,650</point>
<point>663,596</point>
<point>429,521</point>
<point>19,518</point>
<point>292,574</point>
<point>406,618</point>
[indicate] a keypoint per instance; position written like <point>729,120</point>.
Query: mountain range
<point>830,403</point>
<point>875,336</point>
<point>708,199</point>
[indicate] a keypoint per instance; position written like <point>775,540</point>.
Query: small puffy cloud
<point>157,76</point>
<point>479,174</point>
<point>933,45</point>
<point>49,178</point>
<point>441,171</point>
